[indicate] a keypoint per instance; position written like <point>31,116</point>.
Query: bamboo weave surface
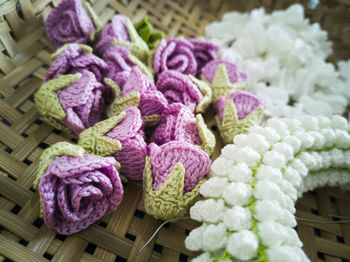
<point>24,59</point>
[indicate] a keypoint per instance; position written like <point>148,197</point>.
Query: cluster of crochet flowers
<point>248,213</point>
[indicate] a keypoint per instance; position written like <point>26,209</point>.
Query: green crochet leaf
<point>144,29</point>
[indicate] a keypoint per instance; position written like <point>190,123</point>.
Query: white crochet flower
<point>213,187</point>
<point>247,155</point>
<point>214,237</point>
<point>285,149</point>
<point>237,218</point>
<point>286,254</point>
<point>274,158</point>
<point>241,173</point>
<point>194,240</point>
<point>237,193</point>
<point>208,210</point>
<point>294,142</point>
<point>243,245</point>
<point>220,167</point>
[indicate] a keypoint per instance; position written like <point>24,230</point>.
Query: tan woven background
<point>24,59</point>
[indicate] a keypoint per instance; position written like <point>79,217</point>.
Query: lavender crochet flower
<point>209,71</point>
<point>69,23</point>
<point>175,54</point>
<point>71,102</point>
<point>204,52</point>
<point>76,191</point>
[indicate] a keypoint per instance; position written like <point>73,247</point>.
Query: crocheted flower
<point>69,23</point>
<point>204,52</point>
<point>123,138</point>
<point>71,102</point>
<point>121,31</point>
<point>223,77</point>
<point>172,178</point>
<point>188,90</point>
<point>179,124</point>
<point>76,189</point>
<point>138,91</point>
<point>175,54</point>
<point>236,113</point>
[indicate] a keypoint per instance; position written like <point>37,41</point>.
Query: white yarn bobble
<point>266,172</point>
<point>329,136</point>
<point>300,167</point>
<point>229,151</point>
<point>309,123</point>
<point>243,245</point>
<point>241,173</point>
<point>309,160</point>
<point>213,187</point>
<point>338,122</point>
<point>342,139</point>
<point>266,210</point>
<point>347,157</point>
<point>338,158</point>
<point>205,257</point>
<point>237,194</point>
<point>255,141</point>
<point>214,237</point>
<point>274,159</point>
<point>294,142</point>
<point>194,240</point>
<point>293,125</point>
<point>286,254</point>
<point>287,219</point>
<point>237,218</point>
<point>208,210</point>
<point>220,167</point>
<point>280,127</point>
<point>323,122</point>
<point>326,159</point>
<point>292,176</point>
<point>269,133</point>
<point>247,155</point>
<point>288,189</point>
<point>240,140</point>
<point>306,139</point>
<point>285,149</point>
<point>320,140</point>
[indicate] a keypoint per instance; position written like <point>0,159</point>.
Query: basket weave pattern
<point>24,59</point>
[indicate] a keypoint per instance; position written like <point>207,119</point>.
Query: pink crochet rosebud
<point>175,54</point>
<point>76,191</point>
<point>178,88</point>
<point>204,52</point>
<point>178,123</point>
<point>234,73</point>
<point>163,159</point>
<point>115,30</point>
<point>131,135</point>
<point>69,23</point>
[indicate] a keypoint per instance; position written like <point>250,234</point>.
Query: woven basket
<point>24,59</point>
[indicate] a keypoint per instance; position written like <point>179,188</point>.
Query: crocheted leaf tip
<point>255,183</point>
<point>180,88</point>
<point>123,138</point>
<point>68,23</point>
<point>139,91</point>
<point>182,55</point>
<point>178,123</point>
<point>71,102</point>
<point>144,29</point>
<point>78,190</point>
<point>236,113</point>
<point>224,77</point>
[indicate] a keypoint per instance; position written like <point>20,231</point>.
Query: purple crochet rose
<point>175,54</point>
<point>178,88</point>
<point>69,23</point>
<point>244,102</point>
<point>76,191</point>
<point>163,158</point>
<point>82,101</point>
<point>177,124</point>
<point>234,73</point>
<point>115,30</point>
<point>130,133</point>
<point>204,52</point>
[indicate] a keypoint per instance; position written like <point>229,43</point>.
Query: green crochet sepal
<point>151,120</point>
<point>144,69</point>
<point>94,141</point>
<point>136,46</point>
<point>207,94</point>
<point>95,19</point>
<point>144,29</point>
<point>85,49</point>
<point>47,102</point>
<point>120,104</point>
<point>207,137</point>
<point>222,86</point>
<point>168,201</point>
<point>230,126</point>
